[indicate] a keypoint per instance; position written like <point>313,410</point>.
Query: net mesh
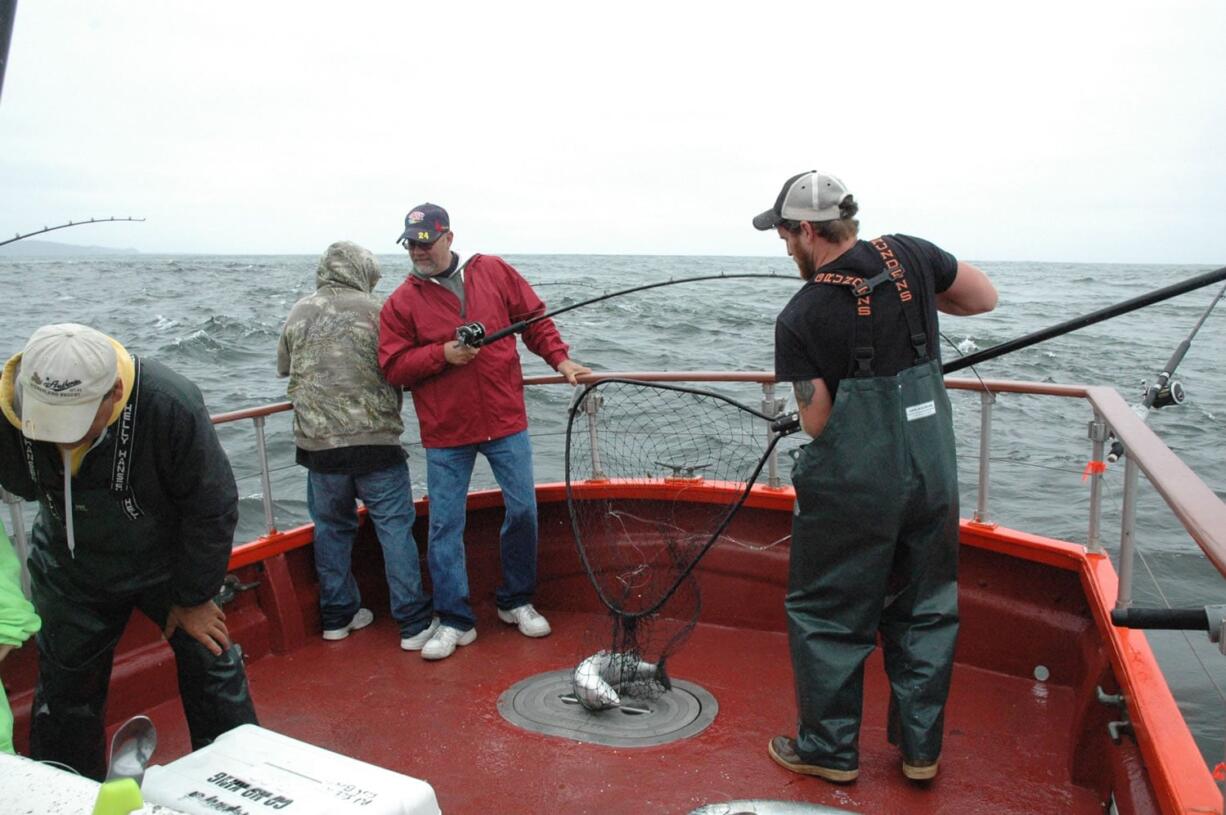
<point>654,474</point>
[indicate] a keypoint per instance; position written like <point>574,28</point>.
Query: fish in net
<point>654,475</point>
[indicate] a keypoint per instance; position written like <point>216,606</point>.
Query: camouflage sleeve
<point>291,335</point>
<point>283,353</point>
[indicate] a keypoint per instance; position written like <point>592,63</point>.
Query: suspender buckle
<point>873,282</point>
<point>864,360</point>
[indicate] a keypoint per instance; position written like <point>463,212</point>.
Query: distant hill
<point>29,248</point>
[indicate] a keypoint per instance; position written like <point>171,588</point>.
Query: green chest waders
<point>874,549</point>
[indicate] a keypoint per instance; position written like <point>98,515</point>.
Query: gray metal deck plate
<point>537,704</point>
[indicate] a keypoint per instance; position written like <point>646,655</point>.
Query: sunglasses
<point>412,244</point>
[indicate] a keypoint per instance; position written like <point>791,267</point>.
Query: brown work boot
<point>920,770</point>
<point>783,751</point>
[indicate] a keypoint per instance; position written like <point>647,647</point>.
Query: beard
<point>430,266</point>
<point>806,266</point>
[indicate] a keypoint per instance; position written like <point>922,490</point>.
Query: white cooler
<point>251,770</point>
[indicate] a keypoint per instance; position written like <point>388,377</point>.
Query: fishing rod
<point>791,423</point>
<point>1165,391</point>
<point>1156,296</point>
<point>474,336</point>
<point>1162,393</point>
<point>65,226</point>
<point>8,11</point>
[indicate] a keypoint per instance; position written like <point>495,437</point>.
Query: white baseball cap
<point>66,371</point>
<point>811,196</point>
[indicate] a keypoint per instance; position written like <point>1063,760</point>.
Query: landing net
<point>654,475</point>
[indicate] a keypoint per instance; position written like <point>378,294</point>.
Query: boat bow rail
<point>1198,509</point>
<point>1201,513</point>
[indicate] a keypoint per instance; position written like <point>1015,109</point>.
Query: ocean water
<point>216,319</point>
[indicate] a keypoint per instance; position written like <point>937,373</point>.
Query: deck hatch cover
<point>540,704</point>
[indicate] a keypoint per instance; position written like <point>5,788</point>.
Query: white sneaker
<point>529,620</point>
<point>419,640</point>
<point>442,644</point>
<point>363,618</point>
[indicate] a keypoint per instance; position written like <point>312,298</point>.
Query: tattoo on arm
<point>804,392</point>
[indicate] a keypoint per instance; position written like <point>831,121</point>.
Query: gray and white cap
<point>66,371</point>
<point>811,196</point>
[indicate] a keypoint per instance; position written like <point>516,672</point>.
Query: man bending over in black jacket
<point>137,509</point>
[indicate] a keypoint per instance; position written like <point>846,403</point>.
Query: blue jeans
<point>448,472</point>
<point>388,496</point>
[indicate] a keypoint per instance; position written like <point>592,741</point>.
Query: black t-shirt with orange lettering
<point>814,332</point>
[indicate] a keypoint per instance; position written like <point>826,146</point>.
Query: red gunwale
<point>1170,753</point>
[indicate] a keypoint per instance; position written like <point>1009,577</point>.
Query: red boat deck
<point>439,721</point>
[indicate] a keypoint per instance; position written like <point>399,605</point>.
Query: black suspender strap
<point>862,290</point>
<point>862,349</point>
<point>121,465</point>
<point>45,498</point>
<point>915,325</point>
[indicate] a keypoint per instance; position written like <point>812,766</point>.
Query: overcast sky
<point>1053,131</point>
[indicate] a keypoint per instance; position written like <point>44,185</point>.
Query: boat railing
<point>1201,513</point>
<point>1198,509</point>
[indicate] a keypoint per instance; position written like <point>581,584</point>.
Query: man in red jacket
<point>468,401</point>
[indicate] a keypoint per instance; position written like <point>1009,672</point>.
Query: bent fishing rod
<point>1165,391</point>
<point>65,226</point>
<point>474,336</point>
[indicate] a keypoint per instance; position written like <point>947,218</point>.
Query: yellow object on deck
<point>118,797</point>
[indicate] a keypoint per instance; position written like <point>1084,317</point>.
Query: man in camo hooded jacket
<point>347,429</point>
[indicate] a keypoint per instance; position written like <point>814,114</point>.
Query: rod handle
<point>1170,619</point>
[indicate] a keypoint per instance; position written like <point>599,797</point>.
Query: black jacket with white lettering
<point>176,520</point>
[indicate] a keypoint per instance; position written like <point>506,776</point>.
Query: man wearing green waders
<point>875,527</point>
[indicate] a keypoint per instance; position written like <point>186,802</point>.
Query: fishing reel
<point>785,424</point>
<point>1170,393</point>
<point>471,334</point>
<point>1159,395</point>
